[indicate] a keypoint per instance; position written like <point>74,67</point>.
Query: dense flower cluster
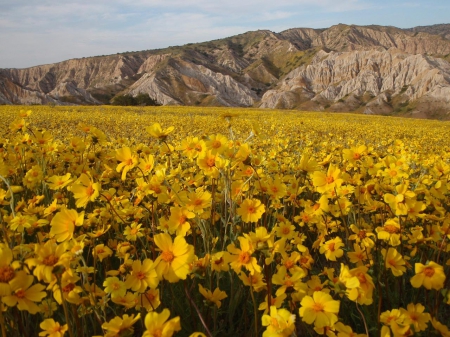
<point>171,221</point>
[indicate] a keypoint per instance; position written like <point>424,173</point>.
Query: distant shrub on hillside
<point>140,99</point>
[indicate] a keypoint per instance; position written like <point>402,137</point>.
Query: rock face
<point>370,69</point>
<point>377,79</point>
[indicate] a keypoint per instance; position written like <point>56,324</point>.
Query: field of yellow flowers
<point>186,221</point>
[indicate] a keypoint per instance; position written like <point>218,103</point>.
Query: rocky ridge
<point>369,69</point>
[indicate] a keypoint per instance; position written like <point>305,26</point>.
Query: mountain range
<point>366,69</point>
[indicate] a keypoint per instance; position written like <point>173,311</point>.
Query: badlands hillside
<point>367,69</point>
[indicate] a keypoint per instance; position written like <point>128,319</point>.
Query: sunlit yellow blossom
<point>251,210</point>
<point>24,294</point>
<point>280,323</point>
<point>177,222</point>
<point>173,262</point>
<point>63,224</point>
<point>84,190</point>
<point>114,286</point>
<point>58,182</point>
<point>142,276</point>
<point>133,232</point>
<point>127,161</point>
<point>274,301</point>
<point>102,251</point>
<point>390,232</point>
<point>48,256</point>
<point>416,316</point>
<point>394,261</point>
<point>332,249</point>
<point>52,328</point>
<point>319,309</point>
<point>431,276</point>
<point>159,325</point>
<point>243,257</point>
<point>157,132</point>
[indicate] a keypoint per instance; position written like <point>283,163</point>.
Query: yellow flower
<point>327,182</point>
<point>431,276</point>
<point>114,286</point>
<point>441,328</point>
<point>57,182</point>
<point>24,295</point>
<point>243,257</point>
<point>416,316</point>
<point>52,328</point>
<point>213,297</point>
<point>390,232</point>
<point>394,261</point>
<point>134,232</point>
<point>173,263</point>
<point>64,222</point>
<point>280,323</point>
<point>102,251</point>
<point>319,309</point>
<point>127,161</point>
<point>158,325</point>
<point>332,248</point>
<point>120,325</point>
<point>142,276</point>
<point>84,190</point>
<point>150,300</point>
<point>47,257</point>
<point>219,261</point>
<point>177,222</point>
<point>157,132</point>
<point>256,281</point>
<point>251,210</point>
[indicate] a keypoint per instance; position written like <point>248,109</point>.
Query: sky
<point>35,32</point>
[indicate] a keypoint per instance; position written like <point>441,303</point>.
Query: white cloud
<point>35,32</point>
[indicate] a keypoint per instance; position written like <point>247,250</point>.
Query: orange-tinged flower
<point>177,222</point>
<point>390,232</point>
<point>327,182</point>
<point>64,222</point>
<point>319,309</point>
<point>158,325</point>
<point>133,232</point>
<point>243,257</point>
<point>102,251</point>
<point>84,190</point>
<point>416,316</point>
<point>142,276</point>
<point>24,295</point>
<point>173,262</point>
<point>332,248</point>
<point>52,328</point>
<point>431,276</point>
<point>280,323</point>
<point>219,261</point>
<point>251,210</point>
<point>48,256</point>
